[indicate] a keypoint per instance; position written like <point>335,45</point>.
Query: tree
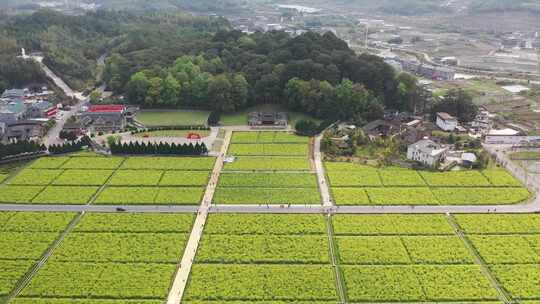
<point>219,94</point>
<point>170,91</point>
<point>153,96</point>
<point>137,88</point>
<point>458,103</point>
<point>408,89</point>
<point>306,127</point>
<point>239,91</point>
<point>95,96</point>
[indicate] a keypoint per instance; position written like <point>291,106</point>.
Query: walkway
<point>321,176</point>
<point>179,285</point>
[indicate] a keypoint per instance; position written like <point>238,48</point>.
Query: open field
<point>104,259</point>
<point>162,118</point>
<point>79,180</point>
<point>354,184</point>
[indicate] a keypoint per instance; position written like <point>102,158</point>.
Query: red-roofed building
<point>105,118</point>
<point>107,109</point>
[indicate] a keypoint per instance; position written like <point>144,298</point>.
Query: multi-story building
<point>427,152</point>
<point>446,121</point>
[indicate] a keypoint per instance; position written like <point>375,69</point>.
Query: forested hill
<point>312,73</point>
<point>72,44</point>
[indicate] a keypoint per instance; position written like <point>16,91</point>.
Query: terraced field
<point>354,184</point>
<point>254,178</point>
<point>113,257</point>
<point>84,179</point>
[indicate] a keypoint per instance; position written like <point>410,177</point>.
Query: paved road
<point>321,176</point>
<point>180,282</point>
<point>52,136</point>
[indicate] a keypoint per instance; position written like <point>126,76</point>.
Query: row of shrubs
<point>20,148</point>
<point>70,147</point>
<point>161,148</point>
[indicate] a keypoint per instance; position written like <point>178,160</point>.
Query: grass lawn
<point>172,133</point>
<point>240,118</point>
<point>154,118</point>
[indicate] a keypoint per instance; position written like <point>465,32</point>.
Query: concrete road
<point>321,176</point>
<point>182,274</point>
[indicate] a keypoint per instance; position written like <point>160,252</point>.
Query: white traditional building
<point>446,121</point>
<point>427,152</point>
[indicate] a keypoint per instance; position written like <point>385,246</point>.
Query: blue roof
<point>14,106</point>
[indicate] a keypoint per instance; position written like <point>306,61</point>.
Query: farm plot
<point>169,163</point>
<point>150,196</point>
<point>253,163</point>
<point>184,178</point>
<point>480,196</point>
<point>33,177</point>
<point>105,259</point>
<point>54,162</point>
<point>93,163</point>
<point>510,246</point>
<point>263,258</point>
<point>285,196</point>
<point>407,258</point>
<point>261,282</point>
<point>3,177</point>
<point>391,224</point>
<point>268,180</point>
<point>83,177</point>
<point>267,137</point>
<point>25,238</point>
<point>455,179</point>
<point>130,184</point>
<point>69,195</point>
<point>80,301</point>
<point>354,184</point>
<point>268,149</point>
<point>136,178</point>
<point>499,224</point>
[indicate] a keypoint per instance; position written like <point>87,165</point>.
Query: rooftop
<point>107,109</point>
<point>445,116</point>
<point>503,132</point>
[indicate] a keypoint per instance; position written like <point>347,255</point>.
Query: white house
<point>427,152</point>
<point>446,121</point>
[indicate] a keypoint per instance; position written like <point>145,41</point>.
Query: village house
<point>257,119</point>
<point>446,121</point>
<point>482,121</point>
<point>105,118</point>
<point>427,152</point>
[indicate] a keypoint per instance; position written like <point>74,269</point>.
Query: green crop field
<point>272,180</point>
<point>254,163</point>
<point>267,138</point>
<point>169,163</point>
<point>172,118</point>
<point>283,179</point>
<point>84,179</point>
<point>510,246</point>
<point>244,195</point>
<point>120,256</point>
<point>25,238</point>
<point>263,258</point>
<point>354,184</point>
<point>268,149</point>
